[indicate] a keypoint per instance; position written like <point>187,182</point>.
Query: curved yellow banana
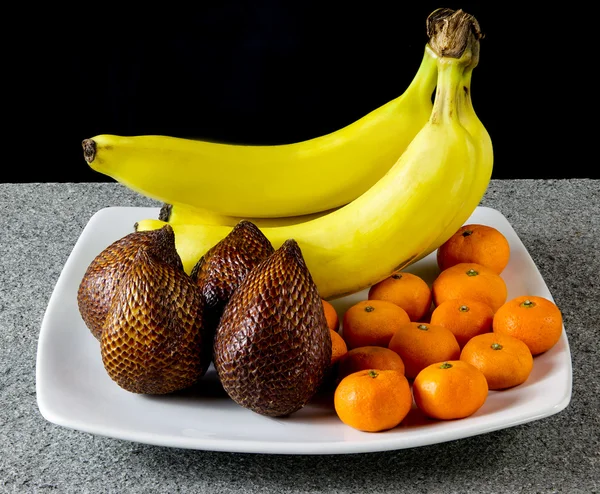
<point>388,227</point>
<point>485,156</point>
<point>181,214</point>
<point>269,181</point>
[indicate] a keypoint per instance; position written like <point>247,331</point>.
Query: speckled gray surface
<point>557,220</point>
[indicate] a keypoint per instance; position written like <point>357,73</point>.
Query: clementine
<point>470,280</point>
<point>452,389</point>
<point>407,290</point>
<point>373,400</point>
<point>537,321</point>
<point>481,244</point>
<point>464,317</point>
<point>331,315</point>
<point>338,346</point>
<point>369,357</point>
<point>422,344</point>
<point>504,360</point>
<point>372,322</point>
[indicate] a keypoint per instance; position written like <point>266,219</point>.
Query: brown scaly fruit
<point>219,272</point>
<point>153,339</point>
<point>272,345</point>
<point>104,273</point>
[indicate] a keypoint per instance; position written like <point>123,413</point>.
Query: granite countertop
<point>558,222</point>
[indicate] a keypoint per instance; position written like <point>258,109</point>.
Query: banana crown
<point>260,181</point>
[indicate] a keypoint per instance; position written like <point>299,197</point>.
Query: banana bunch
<point>431,189</point>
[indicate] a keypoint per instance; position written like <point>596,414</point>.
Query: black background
<point>268,72</point>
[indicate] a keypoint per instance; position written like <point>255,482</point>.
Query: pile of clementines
<point>439,347</point>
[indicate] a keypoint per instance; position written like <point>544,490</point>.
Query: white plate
<point>74,391</point>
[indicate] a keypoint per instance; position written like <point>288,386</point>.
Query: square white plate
<point>74,391</point>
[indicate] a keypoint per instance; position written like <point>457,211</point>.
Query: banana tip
<point>89,149</point>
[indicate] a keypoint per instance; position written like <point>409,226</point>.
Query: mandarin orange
<point>464,317</point>
<point>369,357</point>
<point>422,344</point>
<point>373,400</point>
<point>338,346</point>
<point>407,290</point>
<point>448,390</point>
<point>372,322</point>
<point>472,281</point>
<point>504,360</point>
<point>331,315</point>
<point>481,244</point>
<point>537,321</point>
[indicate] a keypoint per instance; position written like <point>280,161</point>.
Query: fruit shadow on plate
<point>207,388</point>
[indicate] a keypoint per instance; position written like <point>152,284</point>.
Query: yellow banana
<point>392,224</point>
<point>181,214</point>
<point>485,153</point>
<point>269,181</point>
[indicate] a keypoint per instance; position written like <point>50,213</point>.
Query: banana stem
<point>425,80</point>
<point>452,32</point>
<point>445,107</point>
<point>454,42</point>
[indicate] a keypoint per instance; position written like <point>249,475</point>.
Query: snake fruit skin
<point>106,270</point>
<point>219,272</point>
<point>272,346</point>
<point>153,339</point>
